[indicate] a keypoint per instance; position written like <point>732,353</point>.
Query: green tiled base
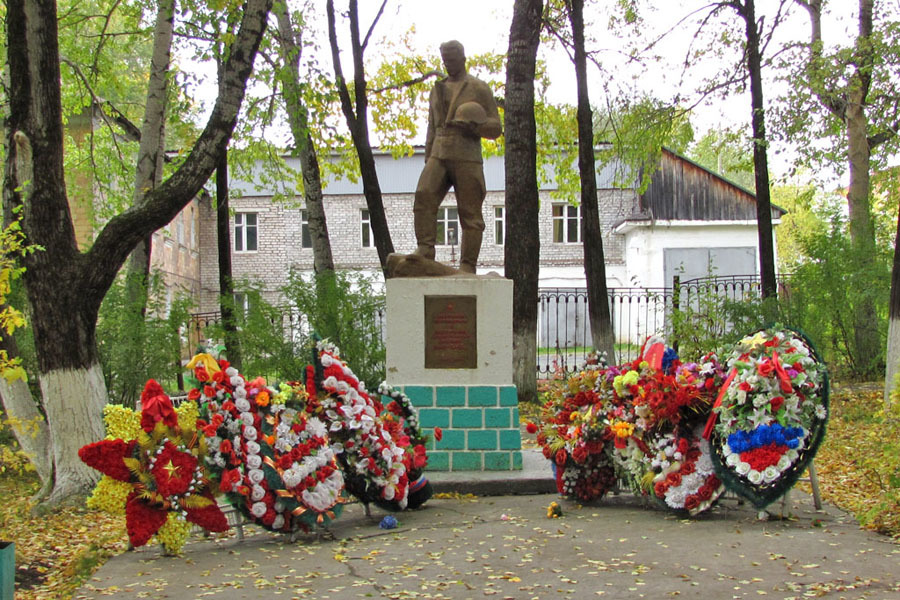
<point>480,426</point>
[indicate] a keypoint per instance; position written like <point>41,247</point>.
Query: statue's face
<point>454,62</point>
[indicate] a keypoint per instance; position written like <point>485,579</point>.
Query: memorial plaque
<point>451,338</point>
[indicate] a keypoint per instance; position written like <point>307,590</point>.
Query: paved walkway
<point>505,547</point>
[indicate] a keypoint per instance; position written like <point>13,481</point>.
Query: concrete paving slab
<point>506,547</point>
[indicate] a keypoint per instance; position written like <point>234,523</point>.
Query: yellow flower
<point>109,495</point>
<point>622,429</point>
<point>122,423</point>
<point>187,412</point>
<point>173,534</point>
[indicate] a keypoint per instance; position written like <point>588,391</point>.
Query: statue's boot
<point>469,250</point>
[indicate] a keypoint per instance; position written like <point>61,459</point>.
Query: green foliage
<point>828,281</point>
<point>345,308</point>
<point>133,348</point>
<point>728,153</point>
<point>272,338</point>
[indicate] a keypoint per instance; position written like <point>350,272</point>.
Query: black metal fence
<point>564,331</point>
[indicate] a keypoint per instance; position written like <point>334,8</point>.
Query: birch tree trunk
<point>893,345</point>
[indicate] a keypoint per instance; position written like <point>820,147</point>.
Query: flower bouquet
<point>770,415</point>
<point>158,476</point>
<point>273,461</point>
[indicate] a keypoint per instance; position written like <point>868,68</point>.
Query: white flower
<point>236,381</point>
<point>733,459</point>
<point>231,371</point>
<point>258,509</point>
<point>244,406</point>
<point>389,492</point>
<point>821,413</point>
<point>256,476</point>
<point>754,476</point>
<point>240,393</point>
<point>254,461</point>
<point>247,419</point>
<point>770,474</point>
<point>292,477</point>
<point>252,448</point>
<point>257,493</point>
<point>742,468</point>
<point>783,463</point>
<point>278,523</point>
<point>250,433</point>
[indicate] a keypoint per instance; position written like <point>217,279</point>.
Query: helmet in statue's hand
<point>470,112</point>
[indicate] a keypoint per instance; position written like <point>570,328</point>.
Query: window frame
<point>500,225</point>
<point>305,235</point>
<point>240,230</point>
<point>444,221</point>
<point>367,236</point>
<point>564,222</point>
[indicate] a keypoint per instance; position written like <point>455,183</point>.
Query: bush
<point>134,348</point>
<point>346,308</point>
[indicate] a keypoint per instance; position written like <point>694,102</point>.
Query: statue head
<point>454,57</point>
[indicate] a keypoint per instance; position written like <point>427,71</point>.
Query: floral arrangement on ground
<point>287,457</point>
<point>683,432</point>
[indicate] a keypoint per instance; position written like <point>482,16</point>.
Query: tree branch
<point>883,136</point>
<point>372,26</point>
<point>411,82</point>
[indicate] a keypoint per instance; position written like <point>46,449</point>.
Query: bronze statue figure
<point>461,111</point>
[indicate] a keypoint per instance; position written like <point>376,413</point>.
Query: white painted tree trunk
<point>524,364</point>
<point>893,358</point>
<point>74,399</point>
<point>28,425</point>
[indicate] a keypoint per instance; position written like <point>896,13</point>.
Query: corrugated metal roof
<point>400,175</point>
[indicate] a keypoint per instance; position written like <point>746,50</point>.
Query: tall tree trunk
<point>848,104</point>
<point>65,287</point>
<point>602,335</point>
<point>289,40</point>
<point>226,281</point>
<point>357,122</point>
<point>522,249</point>
<point>893,345</point>
<point>760,158</point>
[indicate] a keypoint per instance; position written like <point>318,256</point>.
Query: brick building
<point>689,219</point>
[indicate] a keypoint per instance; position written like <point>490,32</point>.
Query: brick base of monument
<point>449,348</point>
<point>480,426</point>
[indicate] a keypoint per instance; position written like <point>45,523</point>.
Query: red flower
<point>766,456</point>
<point>687,468</point>
<point>691,502</point>
<point>209,517</point>
<point>776,403</point>
<point>209,391</point>
<point>156,407</point>
<point>660,489</point>
<point>765,369</point>
<point>548,453</point>
<point>673,479</point>
<point>580,454</point>
<point>201,374</point>
<point>561,457</point>
<point>229,479</point>
<point>194,395</point>
<point>531,428</point>
<point>173,471</point>
<point>226,447</point>
<point>745,387</point>
<point>142,520</point>
<point>285,461</point>
<point>438,433</point>
<point>107,456</point>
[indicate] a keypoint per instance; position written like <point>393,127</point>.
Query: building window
<point>368,238</point>
<point>499,224</point>
<point>305,238</point>
<point>179,229</point>
<point>447,226</point>
<point>245,232</point>
<point>566,223</point>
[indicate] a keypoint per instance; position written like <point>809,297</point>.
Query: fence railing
<point>564,331</point>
